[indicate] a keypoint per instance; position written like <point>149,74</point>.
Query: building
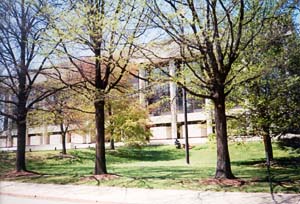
<point>165,120</point>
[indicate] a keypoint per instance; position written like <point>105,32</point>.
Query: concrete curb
<point>79,201</point>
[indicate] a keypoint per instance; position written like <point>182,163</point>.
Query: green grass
<point>164,167</point>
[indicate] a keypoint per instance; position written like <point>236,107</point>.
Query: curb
<point>56,198</point>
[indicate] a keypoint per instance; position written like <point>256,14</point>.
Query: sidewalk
<point>114,195</point>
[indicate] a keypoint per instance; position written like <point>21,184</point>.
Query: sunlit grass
<point>165,167</point>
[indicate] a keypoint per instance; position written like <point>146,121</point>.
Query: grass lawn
<point>164,167</point>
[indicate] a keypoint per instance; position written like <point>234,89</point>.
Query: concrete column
<point>249,125</point>
<point>27,138</point>
<point>9,139</point>
<point>9,133</point>
<point>88,138</point>
<point>209,116</point>
<point>93,137</point>
<point>173,104</point>
<point>68,135</point>
<point>8,123</point>
<point>6,110</point>
<point>84,139</point>
<point>142,86</point>
<point>45,136</point>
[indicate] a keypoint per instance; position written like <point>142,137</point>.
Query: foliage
<point>237,126</point>
<point>128,122</point>
<point>212,138</point>
<point>272,100</point>
<point>65,107</point>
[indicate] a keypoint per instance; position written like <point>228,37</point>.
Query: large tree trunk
<point>100,163</point>
<point>223,159</point>
<point>268,143</point>
<point>22,95</point>
<point>21,145</point>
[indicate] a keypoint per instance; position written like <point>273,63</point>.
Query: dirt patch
<point>223,182</point>
<point>102,177</point>
<point>16,174</point>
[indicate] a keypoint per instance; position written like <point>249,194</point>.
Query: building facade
<point>164,100</point>
<point>167,119</point>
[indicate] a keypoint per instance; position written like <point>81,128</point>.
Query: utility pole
<point>182,52</point>
<point>187,153</point>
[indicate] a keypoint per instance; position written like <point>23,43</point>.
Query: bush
<point>129,125</point>
<point>212,138</point>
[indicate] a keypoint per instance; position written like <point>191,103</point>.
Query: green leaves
<point>128,122</point>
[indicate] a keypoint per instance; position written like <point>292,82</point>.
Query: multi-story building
<point>164,99</point>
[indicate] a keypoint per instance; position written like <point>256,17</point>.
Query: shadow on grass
<point>83,156</point>
<point>147,154</point>
<point>290,162</point>
<point>293,142</point>
<point>124,155</point>
<point>165,172</point>
<point>284,172</point>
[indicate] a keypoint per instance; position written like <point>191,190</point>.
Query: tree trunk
<point>223,159</point>
<point>100,163</point>
<point>22,95</point>
<point>112,143</point>
<point>21,145</point>
<point>268,144</point>
<point>63,138</point>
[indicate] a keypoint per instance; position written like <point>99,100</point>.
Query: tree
<point>108,30</point>
<point>211,37</point>
<point>66,109</point>
<point>273,99</point>
<point>24,53</point>
<point>127,120</point>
